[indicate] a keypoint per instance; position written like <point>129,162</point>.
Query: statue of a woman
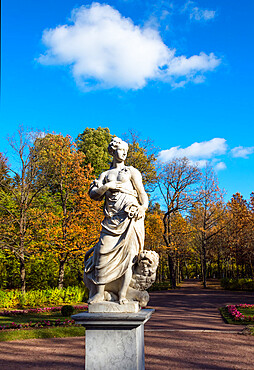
<point>122,235</point>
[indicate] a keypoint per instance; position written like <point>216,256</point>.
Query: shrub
<point>29,311</point>
<point>67,310</point>
<point>164,285</point>
<point>237,284</point>
<point>40,298</point>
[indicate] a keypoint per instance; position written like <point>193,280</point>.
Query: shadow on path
<point>193,307</point>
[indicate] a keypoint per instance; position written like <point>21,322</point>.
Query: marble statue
<point>117,268</point>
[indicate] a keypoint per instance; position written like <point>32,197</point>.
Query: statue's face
<point>121,152</point>
<point>143,267</point>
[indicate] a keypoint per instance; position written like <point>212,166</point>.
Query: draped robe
<point>121,237</point>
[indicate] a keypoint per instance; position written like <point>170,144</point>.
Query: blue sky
<point>179,72</point>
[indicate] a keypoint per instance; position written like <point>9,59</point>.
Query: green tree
<point>94,144</point>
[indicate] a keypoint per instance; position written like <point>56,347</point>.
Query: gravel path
<point>185,332</point>
<point>191,307</point>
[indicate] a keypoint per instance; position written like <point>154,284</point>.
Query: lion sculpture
<point>143,276</point>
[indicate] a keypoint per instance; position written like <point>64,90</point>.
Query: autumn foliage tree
<point>72,220</point>
<point>154,236</point>
<point>177,183</point>
<point>181,245</point>
<point>207,215</point>
<point>48,221</point>
<point>240,231</point>
<point>142,155</point>
<point>19,197</point>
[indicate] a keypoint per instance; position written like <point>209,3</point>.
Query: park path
<point>185,332</point>
<point>193,308</point>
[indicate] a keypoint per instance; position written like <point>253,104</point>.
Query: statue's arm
<point>136,179</point>
<point>99,187</point>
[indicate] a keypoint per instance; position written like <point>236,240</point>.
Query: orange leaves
<point>154,231</point>
<point>72,220</point>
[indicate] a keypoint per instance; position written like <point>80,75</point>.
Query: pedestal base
<point>114,340</point>
<point>108,307</point>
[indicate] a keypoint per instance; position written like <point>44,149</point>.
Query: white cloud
<point>181,66</point>
<point>220,166</point>
<point>33,135</point>
<point>241,151</point>
<point>198,14</point>
<point>206,152</point>
<point>105,49</point>
<point>202,14</point>
<point>204,149</point>
<point>201,163</point>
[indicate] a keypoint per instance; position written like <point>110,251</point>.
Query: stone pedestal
<point>112,307</point>
<point>114,340</point>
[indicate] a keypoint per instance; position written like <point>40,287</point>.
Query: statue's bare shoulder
<point>135,172</point>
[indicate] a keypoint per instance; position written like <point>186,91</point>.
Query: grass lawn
<point>59,332</point>
<point>29,333</point>
<point>247,311</point>
<point>21,319</point>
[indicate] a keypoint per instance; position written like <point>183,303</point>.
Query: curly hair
<point>115,143</point>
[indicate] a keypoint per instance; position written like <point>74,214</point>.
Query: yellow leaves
<point>154,231</point>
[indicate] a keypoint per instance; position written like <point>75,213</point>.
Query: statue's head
<point>144,270</point>
<point>118,148</point>
<point>147,263</point>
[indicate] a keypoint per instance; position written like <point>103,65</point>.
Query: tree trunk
<point>186,270</point>
<point>167,239</point>
<point>172,271</point>
<point>251,268</point>
<point>204,262</point>
<point>218,264</point>
<point>242,270</point>
<point>197,267</point>
<point>178,272</point>
<point>22,275</point>
<point>61,274</point>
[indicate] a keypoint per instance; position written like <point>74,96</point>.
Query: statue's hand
<point>113,185</point>
<point>135,211</point>
<point>141,212</point>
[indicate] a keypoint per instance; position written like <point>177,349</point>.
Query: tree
<point>18,200</point>
<point>154,236</point>
<point>220,246</point>
<point>5,178</point>
<point>142,155</point>
<point>207,215</point>
<point>177,181</point>
<point>181,244</point>
<point>94,144</point>
<point>240,230</point>
<point>251,235</point>
<point>72,221</point>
